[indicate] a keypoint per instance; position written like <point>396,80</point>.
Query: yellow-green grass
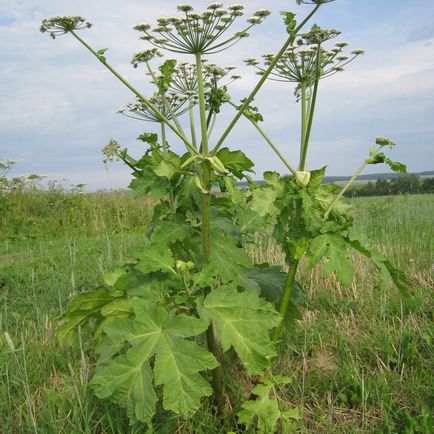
<point>361,360</point>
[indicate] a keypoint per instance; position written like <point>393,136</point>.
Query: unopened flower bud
<point>302,178</point>
<point>200,185</point>
<point>217,165</point>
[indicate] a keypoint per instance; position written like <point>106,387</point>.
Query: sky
<point>58,104</point>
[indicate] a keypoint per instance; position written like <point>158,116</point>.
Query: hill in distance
<point>372,177</point>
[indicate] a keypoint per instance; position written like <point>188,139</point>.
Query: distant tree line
<point>409,184</point>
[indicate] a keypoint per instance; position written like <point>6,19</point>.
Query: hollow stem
<point>311,113</point>
<point>304,109</point>
<point>286,297</point>
<point>212,125</point>
<point>217,373</point>
<point>192,124</point>
<point>202,109</point>
<point>163,137</point>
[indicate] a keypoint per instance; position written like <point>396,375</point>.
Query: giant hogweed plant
<point>310,220</point>
<point>164,324</point>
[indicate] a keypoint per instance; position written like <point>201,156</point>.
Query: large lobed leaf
<point>235,161</point>
<point>227,259</point>
<point>335,249</point>
<point>387,272</point>
<point>127,379</point>
<point>156,258</point>
<point>154,332</point>
<point>242,321</point>
<point>83,307</point>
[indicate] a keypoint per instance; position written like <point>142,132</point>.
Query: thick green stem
<point>202,109</point>
<point>348,184</point>
<point>264,77</point>
<point>268,140</point>
<point>130,165</point>
<point>211,124</point>
<point>294,261</point>
<point>163,137</point>
<point>137,93</point>
<point>312,104</point>
<point>303,120</point>
<point>192,124</point>
<point>286,297</point>
<point>217,373</point>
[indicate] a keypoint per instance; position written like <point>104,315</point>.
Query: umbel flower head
<point>184,79</point>
<point>57,26</point>
<point>111,151</point>
<point>199,33</point>
<point>145,56</point>
<point>313,2</point>
<point>141,111</point>
<point>299,64</point>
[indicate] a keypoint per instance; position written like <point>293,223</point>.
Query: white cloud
<point>58,104</point>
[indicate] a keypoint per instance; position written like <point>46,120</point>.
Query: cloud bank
<point>58,105</point>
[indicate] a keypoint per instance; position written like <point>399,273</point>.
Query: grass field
<point>361,360</point>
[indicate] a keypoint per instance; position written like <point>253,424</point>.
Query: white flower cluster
<point>111,151</point>
<point>314,2</point>
<point>145,56</point>
<point>202,33</point>
<point>141,111</point>
<point>299,64</point>
<point>184,78</point>
<point>57,26</point>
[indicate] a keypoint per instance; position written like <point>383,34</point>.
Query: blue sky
<point>58,104</point>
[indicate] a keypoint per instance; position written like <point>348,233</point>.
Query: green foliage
<point>335,249</point>
<point>290,22</point>
<point>216,97</point>
<point>167,69</point>
<point>150,138</point>
<point>343,343</point>
<point>154,333</point>
<point>242,321</point>
<point>251,112</point>
<point>84,307</point>
<point>227,258</point>
<point>128,381</point>
<point>235,162</point>
<point>192,275</point>
<point>386,270</point>
<point>407,184</point>
<point>267,409</point>
<point>381,158</point>
<point>144,323</point>
<point>100,53</point>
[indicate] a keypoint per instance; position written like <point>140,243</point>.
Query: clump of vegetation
<point>357,361</point>
<point>192,283</point>
<point>409,184</point>
<point>32,210</point>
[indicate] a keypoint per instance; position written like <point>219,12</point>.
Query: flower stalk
<point>268,140</point>
<point>217,373</point>
<point>262,80</point>
<point>137,93</point>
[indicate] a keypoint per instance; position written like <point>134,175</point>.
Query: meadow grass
<point>361,361</point>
